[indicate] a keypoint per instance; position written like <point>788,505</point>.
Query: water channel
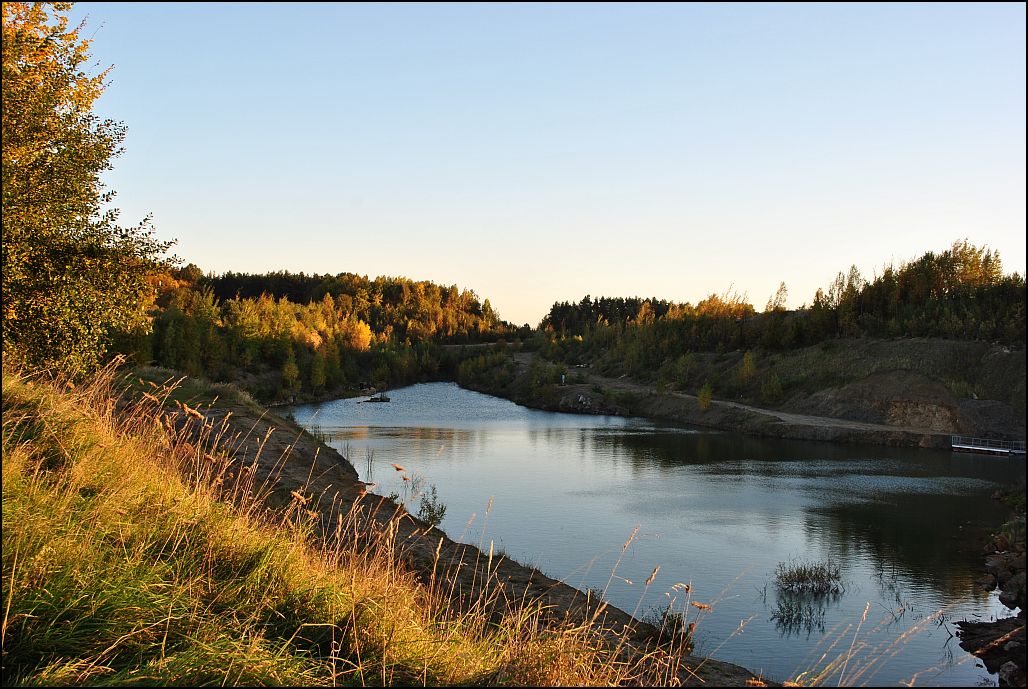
<point>716,511</point>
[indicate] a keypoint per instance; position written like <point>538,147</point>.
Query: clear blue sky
<point>537,153</point>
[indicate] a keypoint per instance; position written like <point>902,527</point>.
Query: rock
<point>986,581</point>
<point>1001,542</point>
<point>1014,647</point>
<point>998,564</point>
<point>1011,675</point>
<point>1012,594</point>
<point>1016,563</point>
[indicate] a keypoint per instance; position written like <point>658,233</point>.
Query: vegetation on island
<point>815,577</point>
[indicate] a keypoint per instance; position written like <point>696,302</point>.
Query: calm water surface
<point>714,510</point>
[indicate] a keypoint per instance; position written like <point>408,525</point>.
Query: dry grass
<point>851,658</point>
<point>133,552</point>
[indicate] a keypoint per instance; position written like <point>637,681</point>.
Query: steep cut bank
<point>914,392</point>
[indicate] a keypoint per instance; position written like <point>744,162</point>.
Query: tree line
<point>397,306</point>
<point>958,293</point>
<point>358,333</point>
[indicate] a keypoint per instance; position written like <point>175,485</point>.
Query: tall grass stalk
<point>858,662</point>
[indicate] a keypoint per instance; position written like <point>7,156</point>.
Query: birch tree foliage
<point>72,276</point>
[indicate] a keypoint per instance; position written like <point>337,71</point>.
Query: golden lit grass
<point>133,552</point>
<point>851,656</point>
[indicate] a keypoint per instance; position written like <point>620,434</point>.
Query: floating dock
<point>987,446</point>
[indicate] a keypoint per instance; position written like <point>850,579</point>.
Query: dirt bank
<point>904,391</point>
<point>598,394</point>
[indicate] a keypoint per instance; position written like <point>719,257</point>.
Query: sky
<point>541,152</point>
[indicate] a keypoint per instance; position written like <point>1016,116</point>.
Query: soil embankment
<point>292,463</point>
<point>623,396</point>
<point>899,393</point>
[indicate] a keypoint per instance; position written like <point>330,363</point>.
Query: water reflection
<point>802,613</point>
<point>735,454</point>
<point>928,538</point>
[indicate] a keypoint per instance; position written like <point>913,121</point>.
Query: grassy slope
<point>131,555</point>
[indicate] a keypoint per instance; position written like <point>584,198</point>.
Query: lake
<point>716,511</point>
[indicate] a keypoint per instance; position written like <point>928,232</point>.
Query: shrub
<point>747,369</point>
<point>704,396</point>
<point>771,389</point>
<point>431,511</point>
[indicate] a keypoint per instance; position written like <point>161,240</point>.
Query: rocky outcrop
<point>993,419</point>
<point>896,398</point>
<point>581,402</point>
<point>1001,644</point>
<point>1005,564</point>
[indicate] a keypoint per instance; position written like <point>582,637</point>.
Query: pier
<point>966,443</point>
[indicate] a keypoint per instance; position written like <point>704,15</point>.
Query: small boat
<point>378,398</point>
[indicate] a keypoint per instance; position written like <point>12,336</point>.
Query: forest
<point>287,335</point>
<point>958,293</point>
